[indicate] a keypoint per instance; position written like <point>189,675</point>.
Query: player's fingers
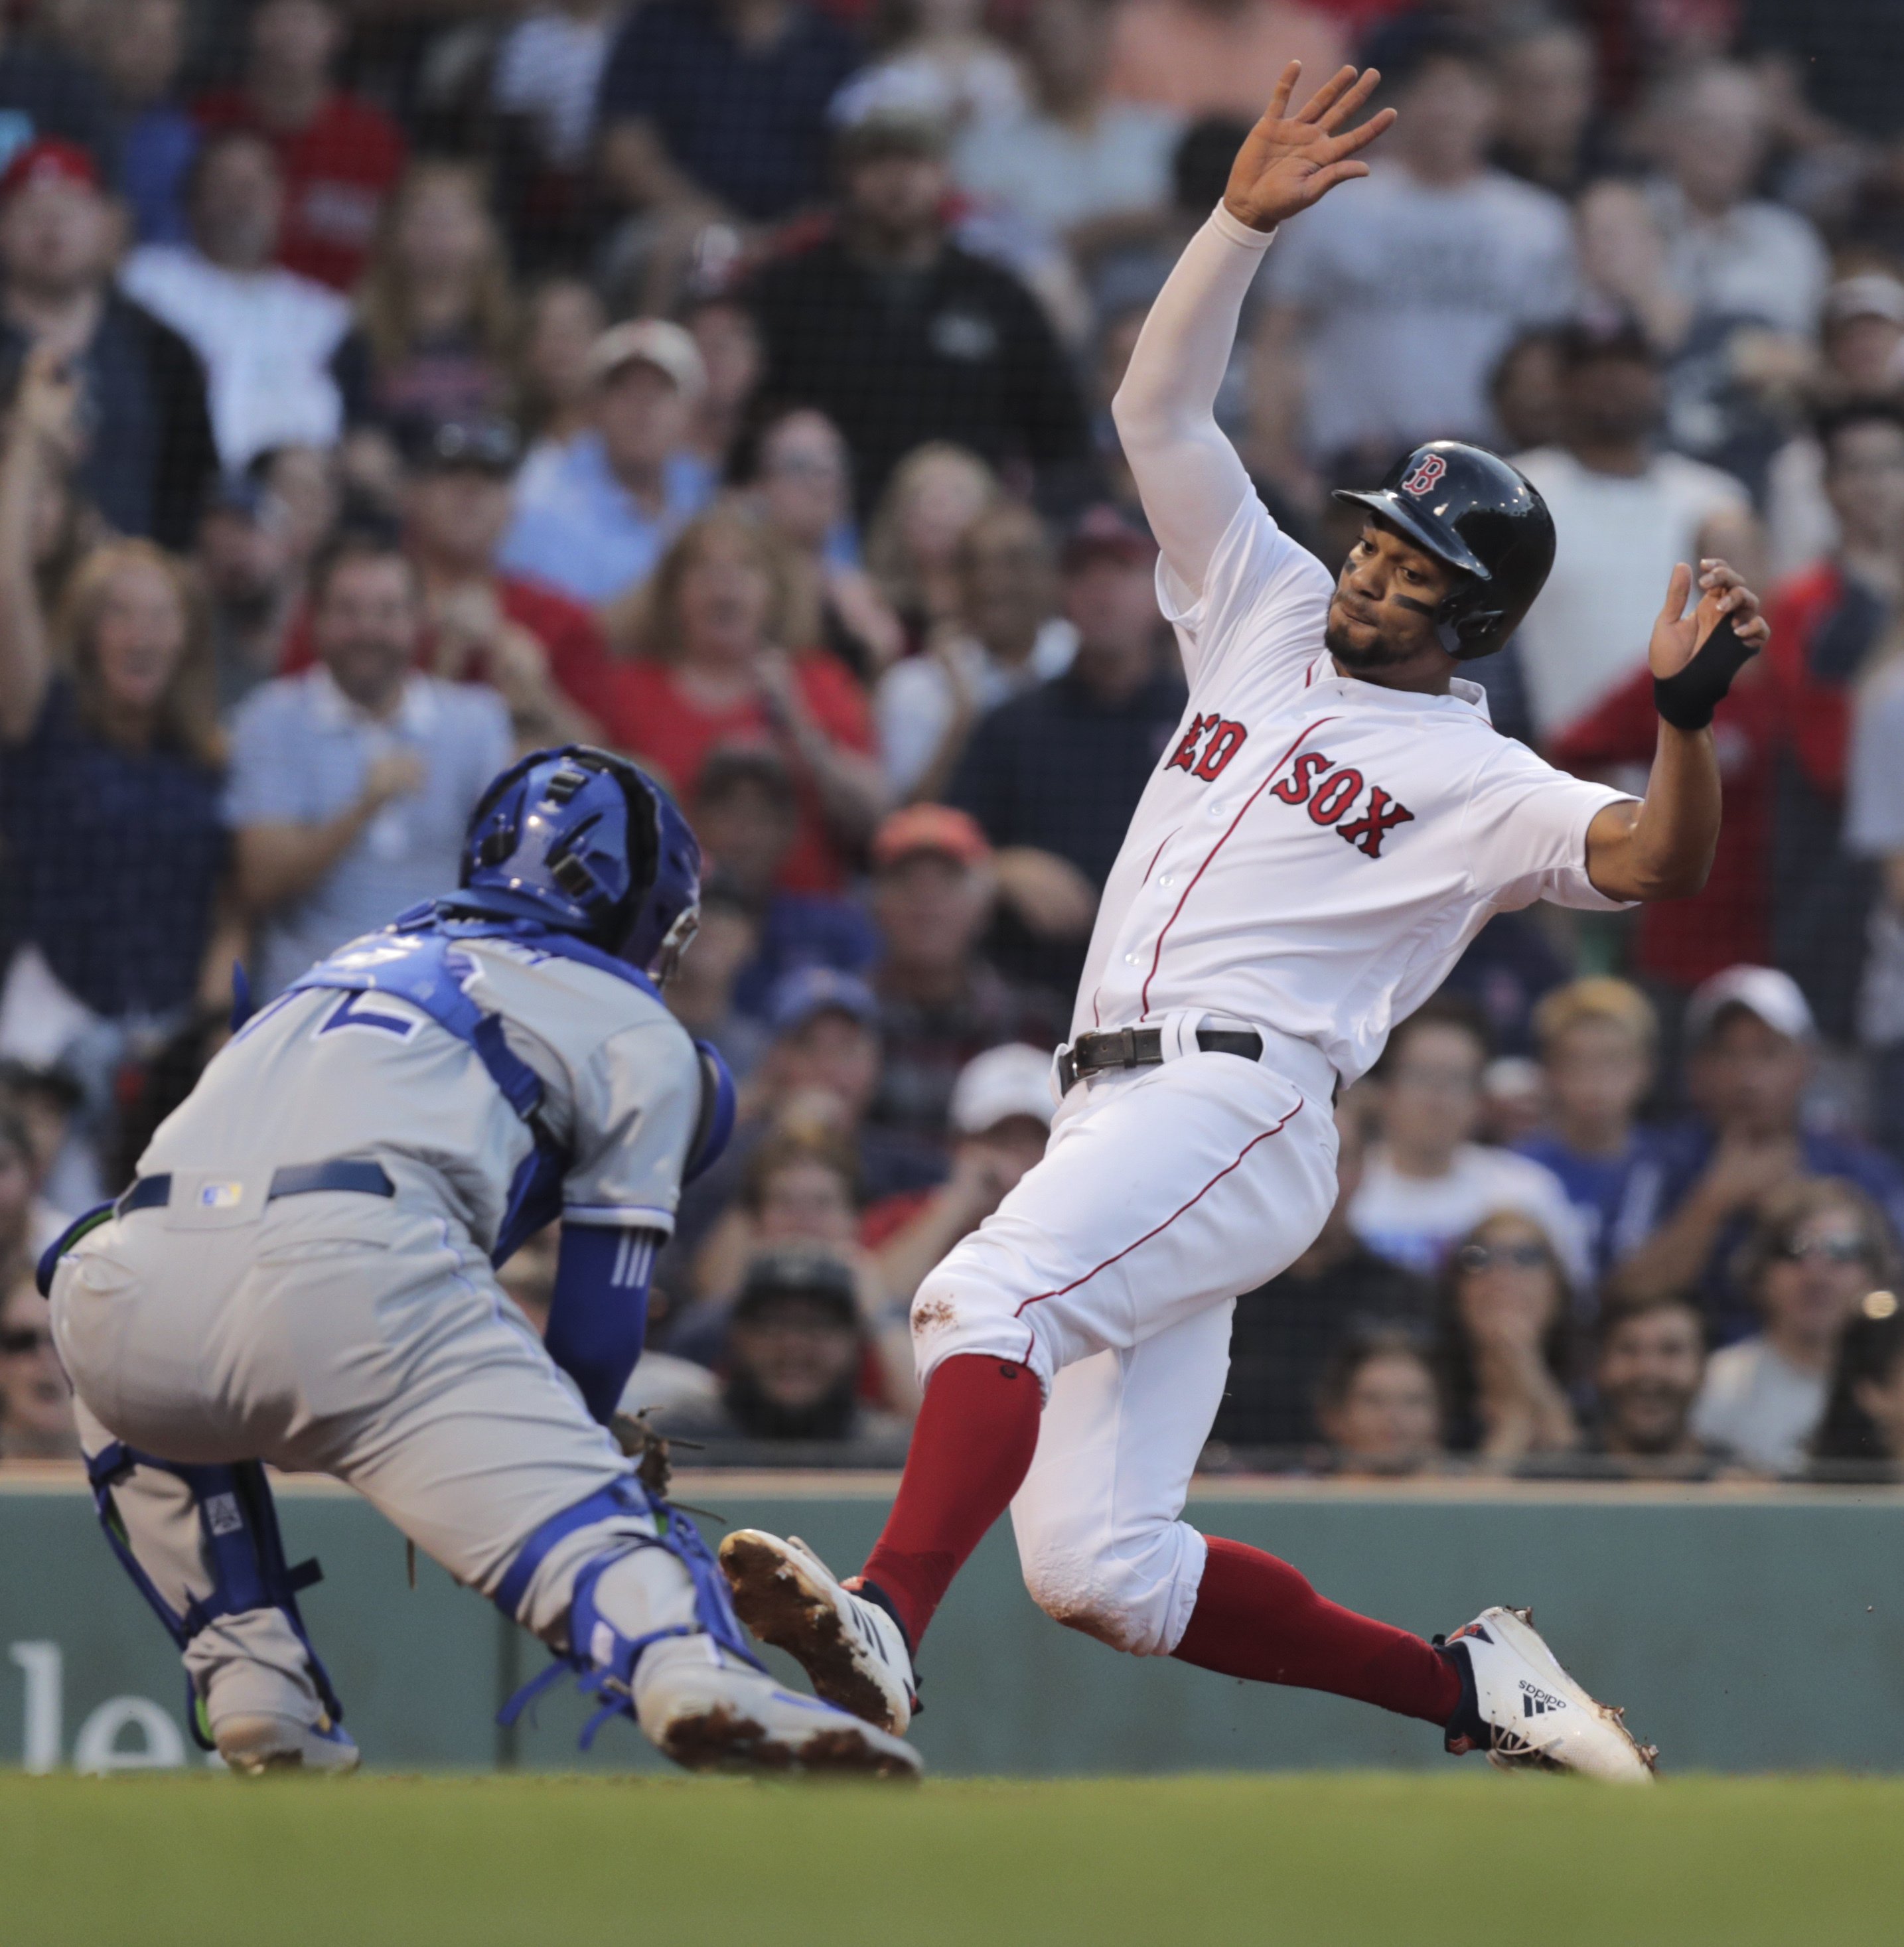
<point>1320,102</point>
<point>1360,138</point>
<point>1279,98</point>
<point>1677,589</point>
<point>1365,84</point>
<point>1325,179</point>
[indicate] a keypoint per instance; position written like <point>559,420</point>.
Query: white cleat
<point>710,1713</point>
<point>252,1746</point>
<point>851,1648</point>
<point>1525,1712</point>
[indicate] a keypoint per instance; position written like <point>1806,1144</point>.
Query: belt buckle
<point>1067,1071</point>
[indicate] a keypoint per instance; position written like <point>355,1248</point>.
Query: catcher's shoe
<point>853,1651</point>
<point>256,1744</point>
<point>709,1712</point>
<point>1524,1710</point>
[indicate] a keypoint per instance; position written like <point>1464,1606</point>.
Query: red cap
<point>953,834</point>
<point>49,160</point>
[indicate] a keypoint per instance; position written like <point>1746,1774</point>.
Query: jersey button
<point>1164,879</point>
<point>1133,959</point>
<point>1217,809</point>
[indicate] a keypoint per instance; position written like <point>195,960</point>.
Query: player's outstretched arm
<point>1662,848</point>
<point>1190,478</point>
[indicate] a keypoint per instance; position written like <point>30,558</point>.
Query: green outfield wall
<point>1745,1629</point>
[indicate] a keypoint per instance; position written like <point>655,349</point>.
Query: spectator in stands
<point>719,106</point>
<point>1377,1405</point>
<point>1862,341</point>
<point>1625,513</point>
<point>58,237</point>
<point>36,1419</point>
<point>1834,631</point>
<point>1751,1051</point>
<point>251,580</point>
<point>112,856</point>
<point>940,1001</point>
<point>794,464</point>
<point>1052,776</point>
<point>1284,1332</point>
<point>47,95</point>
<point>937,53</point>
<point>1598,1039</point>
<point>912,541</point>
<point>548,71</point>
<point>140,53</point>
<point>724,658</point>
<point>1369,344</point>
<point>999,1117</point>
<point>436,327</point>
<point>1427,1182</point>
<point>47,1101</point>
<point>721,323</point>
<point>1072,160</point>
<point>701,994</point>
<point>746,811</point>
<point>1547,132</point>
<point>800,1188</point>
<point>594,520</point>
<point>351,783</point>
<point>794,1349</point>
<point>20,1243</point>
<point>899,335</point>
<point>1862,1427</point>
<point>1507,1342</point>
<point>1008,638</point>
<point>1819,1248</point>
<point>1648,1370</point>
<point>563,319</point>
<point>341,155</point>
<point>265,335</point>
<point>541,650</point>
<point>1217,56</point>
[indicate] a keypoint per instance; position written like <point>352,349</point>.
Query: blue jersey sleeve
<point>599,1314</point>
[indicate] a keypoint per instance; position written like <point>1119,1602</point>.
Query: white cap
<point>1014,1080</point>
<point>1774,996</point>
<point>1868,294</point>
<point>655,342</point>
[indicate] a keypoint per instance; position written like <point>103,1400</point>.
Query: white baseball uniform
<point>1309,859</point>
<point>367,1336</point>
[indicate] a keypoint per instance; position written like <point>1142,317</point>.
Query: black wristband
<point>1688,699</point>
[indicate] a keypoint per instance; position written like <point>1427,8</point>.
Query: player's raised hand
<point>1289,161</point>
<point>1677,636</point>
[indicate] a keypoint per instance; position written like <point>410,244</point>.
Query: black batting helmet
<point>1483,517</point>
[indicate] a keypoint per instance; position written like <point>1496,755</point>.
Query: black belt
<point>294,1179</point>
<point>1143,1047</point>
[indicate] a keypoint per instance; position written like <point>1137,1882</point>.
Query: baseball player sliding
<point>1336,821</point>
<point>302,1274</point>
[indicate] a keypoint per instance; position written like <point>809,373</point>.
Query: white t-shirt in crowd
<point>1414,293</point>
<point>550,67</point>
<point>1758,1407</point>
<point>1057,176</point>
<point>1758,261</point>
<point>266,338</point>
<point>1618,539</point>
<point>1314,851</point>
<point>1417,1220</point>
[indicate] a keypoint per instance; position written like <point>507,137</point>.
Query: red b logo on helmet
<point>1428,469</point>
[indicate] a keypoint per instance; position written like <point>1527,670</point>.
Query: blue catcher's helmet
<point>586,842</point>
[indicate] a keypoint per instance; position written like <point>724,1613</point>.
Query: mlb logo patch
<point>221,1515</point>
<point>225,1196</point>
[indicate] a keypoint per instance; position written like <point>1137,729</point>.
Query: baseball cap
<point>1103,533</point>
<point>792,1273</point>
<point>893,108</point>
<point>733,763</point>
<point>480,444</point>
<point>942,829</point>
<point>1014,1080</point>
<point>49,160</point>
<point>655,342</point>
<point>809,991</point>
<point>1774,998</point>
<point>1869,294</point>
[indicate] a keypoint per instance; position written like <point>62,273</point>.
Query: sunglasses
<point>1828,1250</point>
<point>1483,1257</point>
<point>16,1342</point>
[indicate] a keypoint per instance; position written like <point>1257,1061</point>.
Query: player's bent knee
<point>1120,1601</point>
<point>955,1315</point>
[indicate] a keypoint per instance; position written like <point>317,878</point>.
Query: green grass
<point>1317,1860</point>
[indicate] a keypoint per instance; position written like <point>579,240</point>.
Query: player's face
<point>1383,617</point>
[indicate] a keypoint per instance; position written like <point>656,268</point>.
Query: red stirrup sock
<point>1257,1617</point>
<point>971,1448</point>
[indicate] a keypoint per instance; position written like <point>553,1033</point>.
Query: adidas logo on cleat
<point>1538,1703</point>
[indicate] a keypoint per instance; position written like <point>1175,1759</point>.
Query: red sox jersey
<point>1313,852</point>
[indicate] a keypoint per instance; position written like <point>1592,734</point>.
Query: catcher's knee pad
<point>601,1654</point>
<point>1135,1593</point>
<point>242,1547</point>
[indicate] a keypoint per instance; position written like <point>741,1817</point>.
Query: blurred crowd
<point>386,391</point>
